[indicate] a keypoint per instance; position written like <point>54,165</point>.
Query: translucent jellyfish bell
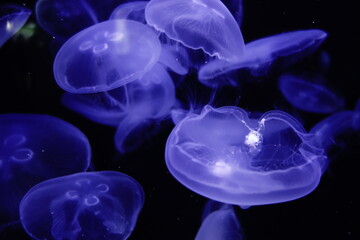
<point>132,10</point>
<point>309,96</point>
<point>221,224</point>
<point>149,99</point>
<point>34,148</point>
<point>225,156</point>
<point>91,205</point>
<point>261,54</point>
<point>106,56</point>
<point>326,131</point>
<point>198,24</point>
<point>12,18</point>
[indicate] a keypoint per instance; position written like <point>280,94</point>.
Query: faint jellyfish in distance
<point>93,205</point>
<point>106,56</point>
<point>34,148</point>
<point>198,24</point>
<point>264,54</point>
<point>131,10</point>
<point>12,18</point>
<point>225,156</point>
<point>309,96</point>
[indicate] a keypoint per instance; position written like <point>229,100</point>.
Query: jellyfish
<point>224,155</point>
<point>356,118</point>
<point>136,104</point>
<point>12,18</point>
<point>220,224</point>
<point>91,205</point>
<point>261,55</point>
<point>34,148</point>
<point>64,18</point>
<point>131,10</point>
<point>198,24</point>
<point>326,131</point>
<point>106,56</point>
<point>150,99</point>
<point>309,96</point>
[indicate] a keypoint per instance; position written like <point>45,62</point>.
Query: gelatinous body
<point>132,10</point>
<point>12,18</point>
<point>91,205</point>
<point>326,131</point>
<point>225,156</point>
<point>309,96</point>
<point>260,54</point>
<point>64,18</point>
<point>175,57</point>
<point>198,24</point>
<point>34,148</point>
<point>149,98</point>
<point>220,224</point>
<point>106,56</point>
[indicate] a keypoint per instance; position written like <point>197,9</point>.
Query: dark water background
<point>173,212</point>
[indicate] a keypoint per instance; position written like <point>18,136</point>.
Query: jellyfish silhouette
<point>356,118</point>
<point>130,107</point>
<point>309,96</point>
<point>12,18</point>
<point>219,224</point>
<point>198,24</point>
<point>34,148</point>
<point>64,18</point>
<point>262,55</point>
<point>91,205</point>
<point>106,56</point>
<point>326,131</point>
<point>225,156</point>
<point>131,10</point>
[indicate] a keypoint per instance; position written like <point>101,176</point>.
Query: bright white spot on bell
<point>221,168</point>
<point>252,139</point>
<point>9,26</point>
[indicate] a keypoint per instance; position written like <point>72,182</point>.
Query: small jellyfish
<point>260,55</point>
<point>325,132</point>
<point>12,18</point>
<point>64,18</point>
<point>148,99</point>
<point>309,96</point>
<point>220,224</point>
<point>92,205</point>
<point>198,24</point>
<point>131,10</point>
<point>34,148</point>
<point>225,156</point>
<point>106,56</point>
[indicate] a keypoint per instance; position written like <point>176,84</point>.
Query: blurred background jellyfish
<point>131,10</point>
<point>64,18</point>
<point>198,24</point>
<point>106,56</point>
<point>356,118</point>
<point>261,55</point>
<point>12,18</point>
<point>91,205</point>
<point>34,148</point>
<point>220,223</point>
<point>225,156</point>
<point>326,131</point>
<point>307,95</point>
<point>130,108</point>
